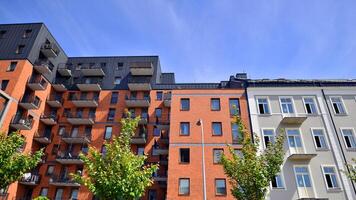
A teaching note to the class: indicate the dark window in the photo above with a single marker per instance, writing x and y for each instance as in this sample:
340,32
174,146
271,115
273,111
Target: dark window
220,186
159,96
3,84
20,49
234,106
217,129
2,34
74,194
114,97
156,131
184,155
102,65
50,170
66,112
215,104
12,66
55,149
120,65
111,114
108,132
158,112
184,186
103,150
217,154
184,104
44,191
59,194
184,128
152,195
237,137
27,33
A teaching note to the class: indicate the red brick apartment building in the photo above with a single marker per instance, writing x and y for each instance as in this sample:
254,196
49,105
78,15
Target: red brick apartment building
65,104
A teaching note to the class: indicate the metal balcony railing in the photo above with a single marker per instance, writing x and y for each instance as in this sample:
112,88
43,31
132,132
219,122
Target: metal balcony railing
44,63
139,80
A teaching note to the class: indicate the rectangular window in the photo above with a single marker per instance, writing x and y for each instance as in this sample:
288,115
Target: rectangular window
44,192
103,150
220,187
234,106
12,66
2,34
117,80
238,153
114,98
349,138
158,112
338,105
217,154
20,49
184,186
3,84
156,131
159,96
319,139
286,105
330,178
215,104
27,33
277,182
74,194
263,107
50,170
294,139
302,176
217,128
59,194
108,132
55,149
140,151
184,155
184,128
310,106
184,104
152,195
119,66
237,137
111,114
268,136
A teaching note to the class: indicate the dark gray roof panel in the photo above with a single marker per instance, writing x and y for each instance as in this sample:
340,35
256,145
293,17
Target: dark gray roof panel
167,78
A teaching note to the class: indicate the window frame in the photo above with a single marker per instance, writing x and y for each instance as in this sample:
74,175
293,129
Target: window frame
159,97
222,152
268,104
343,136
3,86
284,187
342,104
105,131
315,104
48,166
212,100
44,188
116,100
215,184
292,103
180,156
327,148
181,105
180,128
237,108
9,68
309,174
116,78
212,129
183,194
160,113
336,176
301,138
263,136
111,118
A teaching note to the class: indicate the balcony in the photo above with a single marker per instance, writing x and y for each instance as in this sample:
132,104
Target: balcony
22,122
143,119
160,178
30,102
140,138
139,83
55,101
92,70
50,119
66,158
60,84
167,99
50,49
163,160
37,83
162,124
63,181
30,179
64,69
43,66
44,138
293,120
77,139
141,68
136,102
89,84
80,119
164,139
84,101
161,151
301,156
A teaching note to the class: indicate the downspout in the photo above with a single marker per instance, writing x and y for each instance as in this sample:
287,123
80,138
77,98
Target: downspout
248,110
200,122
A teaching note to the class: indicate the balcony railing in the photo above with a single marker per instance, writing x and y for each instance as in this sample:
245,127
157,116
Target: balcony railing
64,180
89,84
30,102
137,102
92,70
43,66
139,83
68,158
85,101
83,138
141,68
144,118
167,99
55,101
21,122
60,84
37,83
50,119
161,124
140,138
80,119
64,69
43,138
30,179
50,49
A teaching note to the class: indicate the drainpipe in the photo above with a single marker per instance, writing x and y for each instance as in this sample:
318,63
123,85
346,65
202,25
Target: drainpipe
200,123
249,113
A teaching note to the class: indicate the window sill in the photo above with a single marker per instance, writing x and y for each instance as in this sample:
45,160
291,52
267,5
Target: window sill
265,115
322,149
334,190
340,115
351,149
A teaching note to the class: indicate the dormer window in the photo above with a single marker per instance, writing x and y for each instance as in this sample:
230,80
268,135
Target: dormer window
27,33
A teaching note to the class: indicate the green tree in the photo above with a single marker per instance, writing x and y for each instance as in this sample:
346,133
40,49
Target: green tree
41,198
250,173
13,162
352,171
119,174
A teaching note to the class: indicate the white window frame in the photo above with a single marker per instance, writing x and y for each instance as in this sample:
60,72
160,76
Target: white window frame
268,104
293,105
315,103
337,178
301,138
283,182
310,177
342,102
326,139
343,137
263,136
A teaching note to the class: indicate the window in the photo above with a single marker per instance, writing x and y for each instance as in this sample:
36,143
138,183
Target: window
111,114
215,104
158,112
184,128
268,136
217,154
117,80
330,178
114,97
119,66
236,134
74,194
12,66
102,65
184,186
3,84
156,131
50,170
184,155
217,130
20,49
319,139
302,176
294,139
152,195
184,104
263,106
220,187
103,150
140,151
286,105
277,182
59,194
338,106
310,106
27,33
234,106
349,138
44,192
55,149
108,132
2,34
159,96
238,153
85,148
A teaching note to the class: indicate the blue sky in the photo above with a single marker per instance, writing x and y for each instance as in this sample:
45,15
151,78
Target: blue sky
206,40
